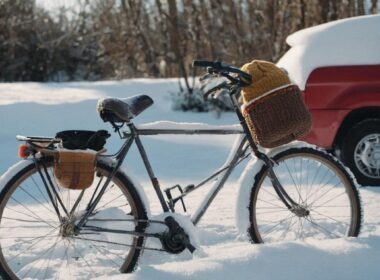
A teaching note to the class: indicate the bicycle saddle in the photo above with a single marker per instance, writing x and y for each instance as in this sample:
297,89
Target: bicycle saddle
122,109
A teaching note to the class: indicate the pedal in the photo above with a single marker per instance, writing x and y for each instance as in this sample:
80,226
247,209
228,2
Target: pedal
172,201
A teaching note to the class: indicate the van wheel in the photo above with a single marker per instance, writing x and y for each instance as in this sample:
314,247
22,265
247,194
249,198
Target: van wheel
361,152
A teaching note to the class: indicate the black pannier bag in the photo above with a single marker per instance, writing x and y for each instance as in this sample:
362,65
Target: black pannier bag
83,139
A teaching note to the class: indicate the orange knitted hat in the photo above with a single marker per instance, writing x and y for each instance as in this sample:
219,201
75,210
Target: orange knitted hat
266,76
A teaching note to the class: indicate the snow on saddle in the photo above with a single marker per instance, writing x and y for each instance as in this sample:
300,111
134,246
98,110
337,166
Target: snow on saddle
122,109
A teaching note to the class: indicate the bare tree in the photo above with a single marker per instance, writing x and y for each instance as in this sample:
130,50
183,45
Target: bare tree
116,39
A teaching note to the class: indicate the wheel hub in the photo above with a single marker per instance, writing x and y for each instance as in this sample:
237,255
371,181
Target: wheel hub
301,211
367,155
68,228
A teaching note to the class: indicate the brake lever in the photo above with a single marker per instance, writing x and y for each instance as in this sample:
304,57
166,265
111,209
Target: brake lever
218,87
205,77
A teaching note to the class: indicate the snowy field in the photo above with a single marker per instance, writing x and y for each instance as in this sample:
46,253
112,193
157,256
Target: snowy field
44,109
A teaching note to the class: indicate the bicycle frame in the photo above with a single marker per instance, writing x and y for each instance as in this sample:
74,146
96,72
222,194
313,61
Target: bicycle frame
111,214
221,175
236,156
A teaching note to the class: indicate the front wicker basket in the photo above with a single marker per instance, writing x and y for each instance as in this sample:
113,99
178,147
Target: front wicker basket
278,117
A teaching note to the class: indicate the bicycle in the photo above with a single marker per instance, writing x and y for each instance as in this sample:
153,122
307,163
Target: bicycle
48,231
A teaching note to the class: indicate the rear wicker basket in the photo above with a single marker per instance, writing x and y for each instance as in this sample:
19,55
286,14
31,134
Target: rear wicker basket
74,169
277,117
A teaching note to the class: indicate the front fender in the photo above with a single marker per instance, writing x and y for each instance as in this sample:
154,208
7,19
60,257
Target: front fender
246,182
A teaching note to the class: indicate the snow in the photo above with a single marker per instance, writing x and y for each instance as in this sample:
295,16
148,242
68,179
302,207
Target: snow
49,94
215,185
352,41
189,126
223,250
12,171
246,182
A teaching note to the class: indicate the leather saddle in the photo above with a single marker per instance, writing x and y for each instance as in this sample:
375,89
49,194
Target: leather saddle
122,109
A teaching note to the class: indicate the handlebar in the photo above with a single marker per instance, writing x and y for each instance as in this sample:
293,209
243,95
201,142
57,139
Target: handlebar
243,79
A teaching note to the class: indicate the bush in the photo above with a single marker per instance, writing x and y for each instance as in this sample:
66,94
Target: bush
195,102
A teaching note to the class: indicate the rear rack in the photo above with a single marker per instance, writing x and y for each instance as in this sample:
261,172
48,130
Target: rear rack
38,139
37,143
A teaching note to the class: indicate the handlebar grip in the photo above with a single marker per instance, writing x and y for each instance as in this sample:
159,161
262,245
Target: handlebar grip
245,78
203,63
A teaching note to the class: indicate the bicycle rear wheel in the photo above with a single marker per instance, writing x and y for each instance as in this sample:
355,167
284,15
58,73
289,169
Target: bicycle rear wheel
316,181
37,244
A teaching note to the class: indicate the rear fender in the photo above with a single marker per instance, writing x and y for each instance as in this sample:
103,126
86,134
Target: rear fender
16,168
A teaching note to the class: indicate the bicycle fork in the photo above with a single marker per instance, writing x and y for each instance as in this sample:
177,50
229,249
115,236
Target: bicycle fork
293,206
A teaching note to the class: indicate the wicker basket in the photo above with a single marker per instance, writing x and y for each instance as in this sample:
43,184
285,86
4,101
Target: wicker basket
74,169
278,117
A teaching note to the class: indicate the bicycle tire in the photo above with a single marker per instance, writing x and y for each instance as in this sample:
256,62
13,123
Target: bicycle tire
265,207
26,199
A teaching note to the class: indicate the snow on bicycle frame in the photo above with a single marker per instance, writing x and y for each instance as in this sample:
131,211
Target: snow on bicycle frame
114,213
120,112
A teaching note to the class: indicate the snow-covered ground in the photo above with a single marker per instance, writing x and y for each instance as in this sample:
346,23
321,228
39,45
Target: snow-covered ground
43,109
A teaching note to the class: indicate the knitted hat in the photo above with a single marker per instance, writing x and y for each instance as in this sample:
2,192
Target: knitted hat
266,77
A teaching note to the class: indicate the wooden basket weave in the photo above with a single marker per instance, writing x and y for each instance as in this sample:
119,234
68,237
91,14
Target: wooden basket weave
278,117
74,169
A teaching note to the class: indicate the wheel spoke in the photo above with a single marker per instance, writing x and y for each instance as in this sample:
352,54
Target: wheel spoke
38,240
275,211
290,224
318,188
39,257
37,244
39,189
295,185
322,187
35,199
271,194
277,224
333,198
27,221
110,201
319,197
34,215
81,256
333,219
267,202
323,229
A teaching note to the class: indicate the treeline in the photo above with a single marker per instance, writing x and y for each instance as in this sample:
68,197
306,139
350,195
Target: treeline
116,39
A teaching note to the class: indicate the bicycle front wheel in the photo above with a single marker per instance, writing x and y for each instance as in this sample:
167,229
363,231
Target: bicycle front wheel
320,184
37,243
